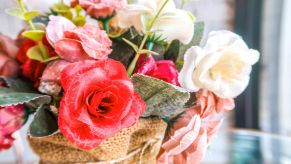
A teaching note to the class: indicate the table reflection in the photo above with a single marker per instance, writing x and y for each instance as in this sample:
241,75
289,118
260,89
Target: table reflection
249,147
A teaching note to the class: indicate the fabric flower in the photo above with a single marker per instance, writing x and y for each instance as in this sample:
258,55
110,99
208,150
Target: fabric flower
32,69
52,73
163,69
189,140
141,14
11,119
99,100
222,66
210,105
77,43
8,51
50,82
100,8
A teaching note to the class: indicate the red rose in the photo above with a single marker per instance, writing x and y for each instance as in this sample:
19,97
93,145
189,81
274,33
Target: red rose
163,69
11,119
99,100
32,69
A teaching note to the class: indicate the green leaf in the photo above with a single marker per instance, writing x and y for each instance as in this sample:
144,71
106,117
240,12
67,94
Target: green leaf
79,20
121,50
35,54
16,84
63,10
44,123
35,35
177,50
162,99
10,97
30,15
17,12
173,52
198,33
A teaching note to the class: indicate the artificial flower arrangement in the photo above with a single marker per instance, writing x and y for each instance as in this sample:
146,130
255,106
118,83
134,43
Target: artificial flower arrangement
133,85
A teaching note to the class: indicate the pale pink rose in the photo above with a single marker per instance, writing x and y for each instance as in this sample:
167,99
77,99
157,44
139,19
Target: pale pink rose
77,43
11,119
189,140
100,8
8,51
56,28
210,104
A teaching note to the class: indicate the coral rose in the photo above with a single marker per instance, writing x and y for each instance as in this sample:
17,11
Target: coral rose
77,43
100,8
210,105
99,100
11,119
189,140
8,50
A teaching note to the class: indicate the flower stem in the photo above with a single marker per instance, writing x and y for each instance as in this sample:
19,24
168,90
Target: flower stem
21,5
132,65
150,45
106,25
42,48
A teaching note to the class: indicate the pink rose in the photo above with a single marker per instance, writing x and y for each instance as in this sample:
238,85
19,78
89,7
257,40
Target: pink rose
163,69
211,105
8,52
100,8
77,43
11,119
192,133
189,140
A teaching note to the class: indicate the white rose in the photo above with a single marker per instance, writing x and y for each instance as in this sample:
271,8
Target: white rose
223,66
172,23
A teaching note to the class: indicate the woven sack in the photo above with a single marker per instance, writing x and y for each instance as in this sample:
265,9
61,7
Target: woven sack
139,144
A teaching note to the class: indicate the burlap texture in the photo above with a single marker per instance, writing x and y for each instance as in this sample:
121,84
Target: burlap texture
138,144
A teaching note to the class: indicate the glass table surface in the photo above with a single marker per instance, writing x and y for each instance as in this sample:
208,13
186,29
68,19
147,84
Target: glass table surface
249,147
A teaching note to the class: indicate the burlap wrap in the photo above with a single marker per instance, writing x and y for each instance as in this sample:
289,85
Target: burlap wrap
138,144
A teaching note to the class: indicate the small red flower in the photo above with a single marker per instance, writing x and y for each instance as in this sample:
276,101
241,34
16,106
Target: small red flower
163,69
32,69
99,100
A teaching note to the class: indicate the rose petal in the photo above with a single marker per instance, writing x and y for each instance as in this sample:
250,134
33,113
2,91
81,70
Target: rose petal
56,27
70,50
183,137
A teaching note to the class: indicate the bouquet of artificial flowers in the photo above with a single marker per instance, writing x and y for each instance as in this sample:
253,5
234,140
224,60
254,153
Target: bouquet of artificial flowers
131,85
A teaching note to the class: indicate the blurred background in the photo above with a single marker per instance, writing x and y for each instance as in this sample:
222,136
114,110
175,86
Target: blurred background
266,104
